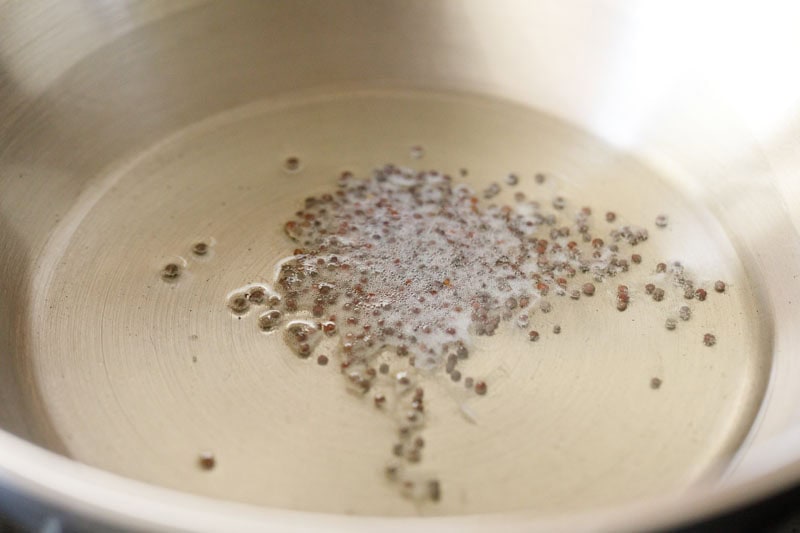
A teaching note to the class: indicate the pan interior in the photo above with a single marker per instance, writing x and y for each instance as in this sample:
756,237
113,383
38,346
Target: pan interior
138,376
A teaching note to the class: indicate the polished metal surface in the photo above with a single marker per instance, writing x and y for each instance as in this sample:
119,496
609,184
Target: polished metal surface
97,99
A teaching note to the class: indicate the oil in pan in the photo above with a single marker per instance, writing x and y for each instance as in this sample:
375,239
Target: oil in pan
332,302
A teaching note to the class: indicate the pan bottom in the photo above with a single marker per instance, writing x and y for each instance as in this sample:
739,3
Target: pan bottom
139,376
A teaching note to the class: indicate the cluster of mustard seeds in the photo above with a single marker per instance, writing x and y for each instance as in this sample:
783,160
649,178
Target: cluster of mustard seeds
401,270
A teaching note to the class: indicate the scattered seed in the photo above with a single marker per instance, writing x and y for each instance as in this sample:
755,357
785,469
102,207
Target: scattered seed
684,313
719,286
588,289
556,329
200,248
291,164
417,152
512,179
636,259
661,221
649,288
658,294
257,296
655,383
322,360
469,382
455,375
670,324
269,320
540,178
709,339
611,216
452,360
621,305
661,267
701,294
480,387
170,272
384,368
238,304
533,335
491,191
392,472
461,351
206,460
434,490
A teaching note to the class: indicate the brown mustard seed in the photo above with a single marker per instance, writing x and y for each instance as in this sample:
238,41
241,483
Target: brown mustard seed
383,368
540,178
661,267
670,324
709,339
719,286
469,382
556,329
588,289
455,375
622,305
658,295
481,388
206,460
684,313
239,305
636,259
533,335
200,248
434,490
322,360
611,216
391,472
655,383
170,272
257,296
291,163
269,320
379,400
649,288
661,221
701,294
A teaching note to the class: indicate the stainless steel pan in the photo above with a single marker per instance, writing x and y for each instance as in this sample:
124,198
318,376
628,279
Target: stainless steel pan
130,130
